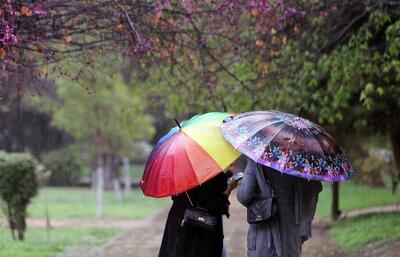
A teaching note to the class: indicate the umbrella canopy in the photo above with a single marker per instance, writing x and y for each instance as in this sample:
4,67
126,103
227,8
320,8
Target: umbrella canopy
289,144
188,156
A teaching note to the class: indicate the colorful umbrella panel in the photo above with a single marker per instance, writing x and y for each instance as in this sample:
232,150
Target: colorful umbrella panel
188,156
289,144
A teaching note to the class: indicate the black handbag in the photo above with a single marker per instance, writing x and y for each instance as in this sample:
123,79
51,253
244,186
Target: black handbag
265,206
198,217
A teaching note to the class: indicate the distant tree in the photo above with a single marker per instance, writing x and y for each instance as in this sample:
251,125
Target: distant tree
103,113
18,185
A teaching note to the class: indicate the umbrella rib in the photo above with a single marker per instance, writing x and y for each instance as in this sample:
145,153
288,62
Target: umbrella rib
165,157
256,131
190,160
288,149
258,158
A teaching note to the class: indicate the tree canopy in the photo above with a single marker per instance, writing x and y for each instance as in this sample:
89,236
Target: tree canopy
99,110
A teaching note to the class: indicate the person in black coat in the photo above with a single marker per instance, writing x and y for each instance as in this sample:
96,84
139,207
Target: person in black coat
189,241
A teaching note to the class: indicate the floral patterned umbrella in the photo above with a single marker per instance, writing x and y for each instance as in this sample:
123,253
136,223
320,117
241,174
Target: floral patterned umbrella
287,143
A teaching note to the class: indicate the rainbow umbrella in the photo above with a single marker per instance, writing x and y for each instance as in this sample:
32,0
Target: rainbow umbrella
187,156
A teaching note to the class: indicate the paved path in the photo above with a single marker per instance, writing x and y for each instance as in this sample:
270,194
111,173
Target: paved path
144,239
372,210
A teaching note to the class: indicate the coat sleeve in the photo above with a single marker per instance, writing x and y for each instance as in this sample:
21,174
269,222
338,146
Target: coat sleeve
248,187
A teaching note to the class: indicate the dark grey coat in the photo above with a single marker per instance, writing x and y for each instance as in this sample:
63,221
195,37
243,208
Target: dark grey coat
280,237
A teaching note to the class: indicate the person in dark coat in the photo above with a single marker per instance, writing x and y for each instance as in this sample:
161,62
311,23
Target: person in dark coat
187,241
297,198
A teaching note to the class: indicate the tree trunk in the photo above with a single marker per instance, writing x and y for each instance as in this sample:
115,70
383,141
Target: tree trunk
114,166
395,140
21,228
100,160
93,176
108,172
100,187
335,211
117,190
11,222
127,178
20,218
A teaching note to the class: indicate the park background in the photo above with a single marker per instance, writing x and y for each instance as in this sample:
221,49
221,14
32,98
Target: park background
88,87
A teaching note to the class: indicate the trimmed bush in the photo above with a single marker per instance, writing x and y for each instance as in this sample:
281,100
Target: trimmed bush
18,185
65,166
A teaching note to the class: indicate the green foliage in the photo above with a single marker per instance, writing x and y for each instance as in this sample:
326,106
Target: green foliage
352,234
372,171
356,80
18,185
64,165
99,109
40,243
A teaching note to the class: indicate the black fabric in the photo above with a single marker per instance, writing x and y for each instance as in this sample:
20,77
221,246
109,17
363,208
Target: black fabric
189,241
199,218
262,210
265,206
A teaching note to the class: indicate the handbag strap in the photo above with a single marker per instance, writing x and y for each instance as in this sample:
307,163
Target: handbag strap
192,204
190,200
264,184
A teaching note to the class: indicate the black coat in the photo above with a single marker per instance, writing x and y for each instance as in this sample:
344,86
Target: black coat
187,241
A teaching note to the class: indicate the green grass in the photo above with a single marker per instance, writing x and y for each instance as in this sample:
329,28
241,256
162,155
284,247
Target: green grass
64,203
39,243
353,197
352,234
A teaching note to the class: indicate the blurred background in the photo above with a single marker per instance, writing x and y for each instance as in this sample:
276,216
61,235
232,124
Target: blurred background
88,87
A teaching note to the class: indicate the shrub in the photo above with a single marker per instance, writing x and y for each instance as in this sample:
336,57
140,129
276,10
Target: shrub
65,166
18,184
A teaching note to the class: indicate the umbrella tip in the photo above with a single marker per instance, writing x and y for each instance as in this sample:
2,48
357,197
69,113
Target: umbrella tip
179,125
301,111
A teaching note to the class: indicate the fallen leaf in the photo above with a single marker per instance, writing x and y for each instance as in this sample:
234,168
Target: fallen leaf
39,72
67,39
3,53
119,26
26,11
259,43
296,29
275,53
275,41
39,47
284,40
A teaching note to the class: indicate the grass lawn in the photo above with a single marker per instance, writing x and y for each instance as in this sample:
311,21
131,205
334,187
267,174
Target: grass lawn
39,243
64,203
353,197
351,234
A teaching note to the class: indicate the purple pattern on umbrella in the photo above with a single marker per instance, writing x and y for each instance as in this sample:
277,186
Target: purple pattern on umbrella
289,144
